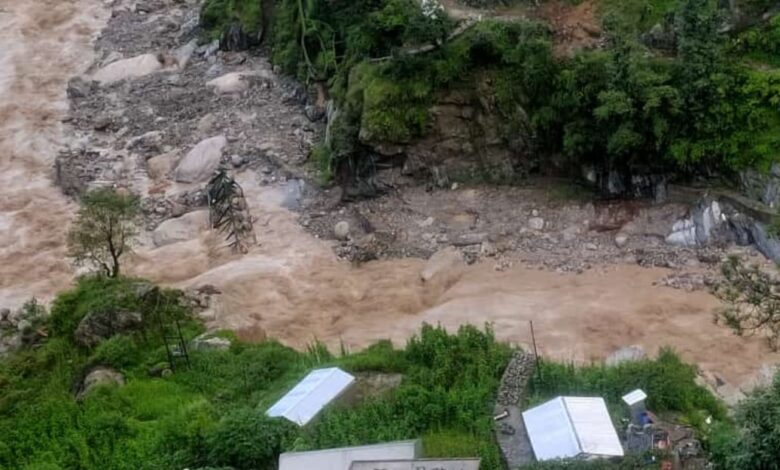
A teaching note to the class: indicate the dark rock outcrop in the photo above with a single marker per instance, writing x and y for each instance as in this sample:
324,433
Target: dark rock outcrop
465,139
100,325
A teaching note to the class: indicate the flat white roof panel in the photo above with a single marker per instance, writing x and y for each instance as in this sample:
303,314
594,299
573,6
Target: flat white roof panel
593,426
550,431
342,458
634,397
568,427
301,404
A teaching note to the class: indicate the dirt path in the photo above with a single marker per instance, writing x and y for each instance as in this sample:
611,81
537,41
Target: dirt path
42,44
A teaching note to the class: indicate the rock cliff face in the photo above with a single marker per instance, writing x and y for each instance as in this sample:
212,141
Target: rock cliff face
465,139
762,186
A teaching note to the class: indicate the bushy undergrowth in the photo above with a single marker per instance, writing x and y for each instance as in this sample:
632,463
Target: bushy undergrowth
755,443
668,382
212,414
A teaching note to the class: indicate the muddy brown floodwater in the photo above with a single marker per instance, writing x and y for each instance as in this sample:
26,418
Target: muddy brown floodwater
42,44
292,286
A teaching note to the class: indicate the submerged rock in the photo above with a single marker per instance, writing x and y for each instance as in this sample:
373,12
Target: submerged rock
442,261
186,227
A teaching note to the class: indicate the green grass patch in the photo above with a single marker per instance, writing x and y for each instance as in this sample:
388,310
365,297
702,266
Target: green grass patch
212,414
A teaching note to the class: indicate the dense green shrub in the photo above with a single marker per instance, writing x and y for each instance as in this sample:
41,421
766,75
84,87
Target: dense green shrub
217,15
246,438
756,442
91,293
118,352
668,382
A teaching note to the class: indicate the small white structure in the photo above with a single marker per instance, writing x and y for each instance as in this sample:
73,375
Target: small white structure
342,458
301,404
635,397
636,402
568,427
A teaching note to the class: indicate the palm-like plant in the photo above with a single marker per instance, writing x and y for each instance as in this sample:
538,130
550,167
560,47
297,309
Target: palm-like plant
228,211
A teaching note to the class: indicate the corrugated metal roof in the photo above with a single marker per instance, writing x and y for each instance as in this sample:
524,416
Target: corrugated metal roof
301,404
568,427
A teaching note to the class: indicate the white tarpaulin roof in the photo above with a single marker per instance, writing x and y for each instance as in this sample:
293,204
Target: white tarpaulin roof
307,399
571,426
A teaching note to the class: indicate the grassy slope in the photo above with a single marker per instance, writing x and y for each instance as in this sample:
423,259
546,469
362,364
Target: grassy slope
212,414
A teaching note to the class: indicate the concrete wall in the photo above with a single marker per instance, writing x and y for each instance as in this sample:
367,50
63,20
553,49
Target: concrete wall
342,458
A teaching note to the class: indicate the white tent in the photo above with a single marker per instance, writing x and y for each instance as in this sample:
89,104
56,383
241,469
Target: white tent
568,427
301,404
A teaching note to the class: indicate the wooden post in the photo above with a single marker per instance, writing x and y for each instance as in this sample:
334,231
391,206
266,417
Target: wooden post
536,351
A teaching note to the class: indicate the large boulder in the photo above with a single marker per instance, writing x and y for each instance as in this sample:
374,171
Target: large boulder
699,227
201,162
186,227
100,325
100,376
134,67
231,83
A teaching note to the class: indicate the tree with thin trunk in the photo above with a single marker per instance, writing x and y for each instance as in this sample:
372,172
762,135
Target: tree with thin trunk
751,298
104,230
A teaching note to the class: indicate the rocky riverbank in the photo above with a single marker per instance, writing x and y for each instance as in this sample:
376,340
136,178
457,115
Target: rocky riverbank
158,111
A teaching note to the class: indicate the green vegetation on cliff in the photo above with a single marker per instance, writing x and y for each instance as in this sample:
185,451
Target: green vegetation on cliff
695,109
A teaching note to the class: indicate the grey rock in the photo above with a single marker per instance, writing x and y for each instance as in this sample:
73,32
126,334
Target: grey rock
314,113
236,160
536,223
341,230
621,239
100,376
145,143
79,88
626,354
208,342
210,48
768,246
201,162
100,325
487,249
468,239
